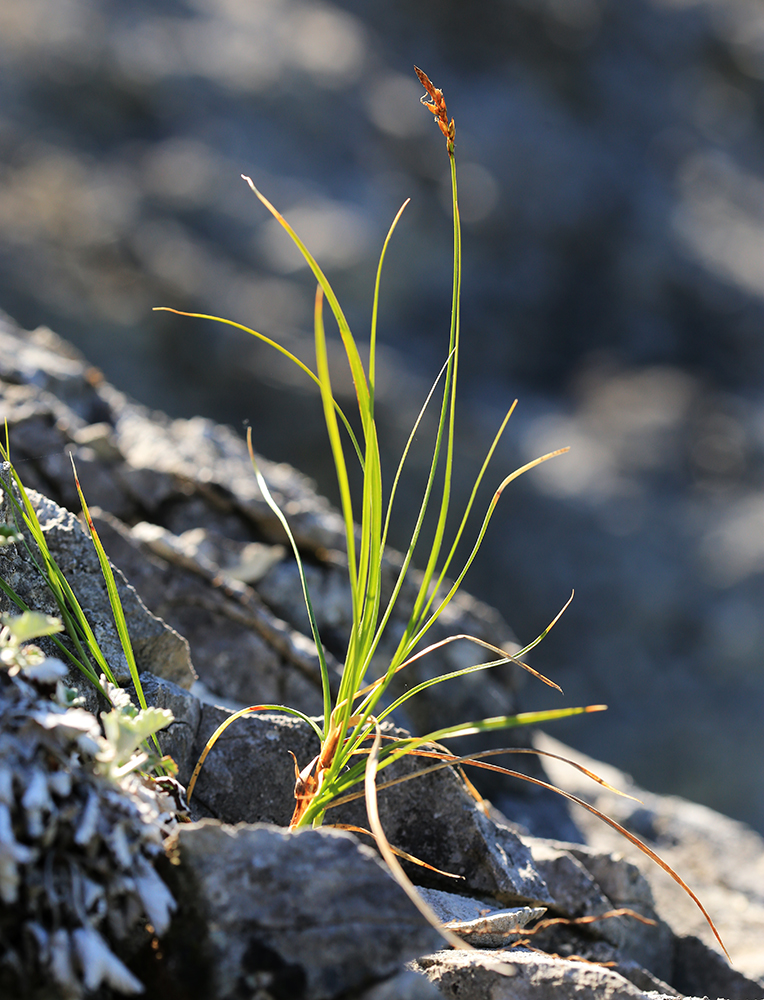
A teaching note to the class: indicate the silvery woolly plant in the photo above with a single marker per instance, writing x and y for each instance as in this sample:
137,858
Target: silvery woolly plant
80,826
353,751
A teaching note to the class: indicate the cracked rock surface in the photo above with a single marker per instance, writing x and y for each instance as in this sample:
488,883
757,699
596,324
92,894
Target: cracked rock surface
314,916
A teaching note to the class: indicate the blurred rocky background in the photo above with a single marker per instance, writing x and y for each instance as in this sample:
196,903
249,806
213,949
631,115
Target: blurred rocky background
611,157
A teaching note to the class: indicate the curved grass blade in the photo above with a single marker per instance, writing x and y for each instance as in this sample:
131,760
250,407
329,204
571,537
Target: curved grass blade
476,548
396,850
233,718
354,359
281,350
327,399
370,791
381,683
632,838
502,653
375,306
415,536
325,685
352,774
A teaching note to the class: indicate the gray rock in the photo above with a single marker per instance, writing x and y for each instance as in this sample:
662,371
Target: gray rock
249,775
480,924
407,985
572,887
643,979
311,915
240,649
624,885
200,451
435,819
522,975
722,860
699,969
587,884
179,739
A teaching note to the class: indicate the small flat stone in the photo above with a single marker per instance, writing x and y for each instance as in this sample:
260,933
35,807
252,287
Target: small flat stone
480,924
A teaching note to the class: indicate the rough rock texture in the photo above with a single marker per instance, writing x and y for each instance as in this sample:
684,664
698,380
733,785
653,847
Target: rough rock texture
522,975
610,156
182,518
723,861
309,916
585,884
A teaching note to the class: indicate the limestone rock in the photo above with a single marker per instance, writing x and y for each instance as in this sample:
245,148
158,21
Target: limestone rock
522,975
586,883
310,915
479,923
698,969
249,776
407,985
240,649
721,859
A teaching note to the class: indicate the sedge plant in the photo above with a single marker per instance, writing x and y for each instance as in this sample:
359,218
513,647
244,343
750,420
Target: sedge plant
353,747
83,650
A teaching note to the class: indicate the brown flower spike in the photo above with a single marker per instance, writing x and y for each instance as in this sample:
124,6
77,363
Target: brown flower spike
437,105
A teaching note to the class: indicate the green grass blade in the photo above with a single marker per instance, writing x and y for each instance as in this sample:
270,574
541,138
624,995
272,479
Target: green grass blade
327,399
281,350
476,547
117,610
504,657
471,501
233,718
354,359
75,620
450,398
447,420
506,722
327,697
114,598
402,573
375,306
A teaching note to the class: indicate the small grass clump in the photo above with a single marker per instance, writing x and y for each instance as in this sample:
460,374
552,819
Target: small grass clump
352,748
352,720
83,650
